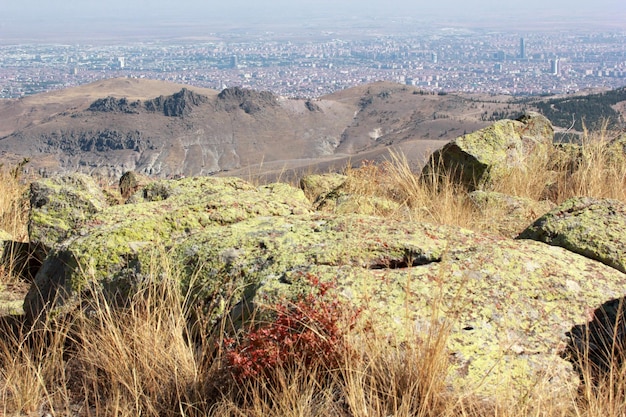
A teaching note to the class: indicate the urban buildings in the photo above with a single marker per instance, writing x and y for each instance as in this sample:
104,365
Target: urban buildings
444,60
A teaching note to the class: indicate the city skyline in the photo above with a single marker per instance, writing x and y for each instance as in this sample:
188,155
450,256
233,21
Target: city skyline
441,61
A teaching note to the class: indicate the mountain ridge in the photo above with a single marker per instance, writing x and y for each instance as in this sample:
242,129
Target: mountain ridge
164,129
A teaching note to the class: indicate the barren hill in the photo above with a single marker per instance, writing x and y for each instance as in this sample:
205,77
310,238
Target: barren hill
165,129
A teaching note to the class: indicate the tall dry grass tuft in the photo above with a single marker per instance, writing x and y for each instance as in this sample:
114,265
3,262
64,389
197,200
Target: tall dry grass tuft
600,169
32,374
437,199
13,202
551,174
108,359
139,359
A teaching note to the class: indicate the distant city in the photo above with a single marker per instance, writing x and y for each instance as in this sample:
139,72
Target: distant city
446,60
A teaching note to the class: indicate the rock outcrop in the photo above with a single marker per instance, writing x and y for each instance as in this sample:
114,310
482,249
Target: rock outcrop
114,105
131,182
318,185
591,227
477,158
59,205
249,101
510,303
180,104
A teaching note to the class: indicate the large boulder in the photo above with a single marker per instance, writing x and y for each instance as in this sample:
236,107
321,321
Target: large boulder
131,182
59,205
510,303
477,158
591,227
318,185
115,245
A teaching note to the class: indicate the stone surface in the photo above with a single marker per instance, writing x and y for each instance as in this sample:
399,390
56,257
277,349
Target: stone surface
318,185
591,227
131,182
509,302
477,158
109,245
60,204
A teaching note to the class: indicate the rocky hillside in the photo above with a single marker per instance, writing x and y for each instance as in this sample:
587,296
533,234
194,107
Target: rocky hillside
519,309
165,130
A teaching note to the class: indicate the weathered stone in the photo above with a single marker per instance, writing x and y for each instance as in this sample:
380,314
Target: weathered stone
591,227
513,213
109,245
477,158
237,248
60,204
318,185
341,202
131,182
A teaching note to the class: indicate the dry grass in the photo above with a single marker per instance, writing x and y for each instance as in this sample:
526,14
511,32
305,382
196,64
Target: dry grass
139,360
13,202
554,174
142,360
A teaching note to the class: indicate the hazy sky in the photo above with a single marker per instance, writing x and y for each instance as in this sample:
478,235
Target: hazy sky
64,15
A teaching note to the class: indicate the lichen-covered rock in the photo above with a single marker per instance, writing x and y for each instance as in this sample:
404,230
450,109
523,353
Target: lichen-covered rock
239,247
59,205
131,182
114,245
318,185
510,303
341,202
477,158
514,213
591,227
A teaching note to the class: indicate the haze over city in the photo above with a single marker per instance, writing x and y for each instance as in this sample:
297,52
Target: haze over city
80,19
310,48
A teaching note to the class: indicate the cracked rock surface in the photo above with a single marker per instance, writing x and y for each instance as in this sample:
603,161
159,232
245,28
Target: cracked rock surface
510,303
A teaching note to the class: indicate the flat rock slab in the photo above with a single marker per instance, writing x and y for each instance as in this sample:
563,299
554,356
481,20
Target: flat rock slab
595,228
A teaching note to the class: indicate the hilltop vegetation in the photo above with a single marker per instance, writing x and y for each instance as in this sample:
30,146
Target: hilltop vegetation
593,111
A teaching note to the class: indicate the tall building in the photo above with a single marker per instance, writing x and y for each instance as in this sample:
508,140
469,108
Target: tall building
554,66
522,48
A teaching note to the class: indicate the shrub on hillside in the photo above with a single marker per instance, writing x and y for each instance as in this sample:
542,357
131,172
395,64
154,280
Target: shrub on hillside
309,331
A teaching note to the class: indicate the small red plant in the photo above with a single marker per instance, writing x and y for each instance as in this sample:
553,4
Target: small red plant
309,331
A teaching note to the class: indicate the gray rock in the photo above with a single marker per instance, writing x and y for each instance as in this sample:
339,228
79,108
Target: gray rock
240,248
59,205
477,158
591,227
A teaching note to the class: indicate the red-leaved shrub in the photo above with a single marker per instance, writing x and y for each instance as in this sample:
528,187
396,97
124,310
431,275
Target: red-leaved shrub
308,331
